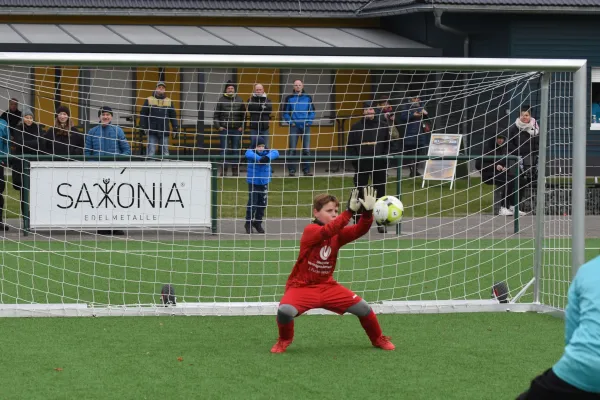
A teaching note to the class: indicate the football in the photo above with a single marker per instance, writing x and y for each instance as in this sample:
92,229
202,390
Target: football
388,210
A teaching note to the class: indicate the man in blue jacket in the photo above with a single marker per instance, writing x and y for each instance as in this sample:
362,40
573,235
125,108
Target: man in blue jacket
106,139
4,153
299,113
259,176
577,374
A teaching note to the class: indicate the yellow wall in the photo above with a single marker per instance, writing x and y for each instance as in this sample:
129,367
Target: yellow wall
44,95
352,87
69,91
146,79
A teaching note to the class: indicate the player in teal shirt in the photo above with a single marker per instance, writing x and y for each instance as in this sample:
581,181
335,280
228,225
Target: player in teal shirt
577,374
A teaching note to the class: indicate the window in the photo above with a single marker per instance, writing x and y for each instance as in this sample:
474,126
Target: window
112,87
317,83
214,86
189,97
17,82
595,99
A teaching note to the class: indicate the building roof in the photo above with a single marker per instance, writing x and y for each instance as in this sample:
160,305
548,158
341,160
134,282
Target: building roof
207,40
283,8
559,3
390,7
318,8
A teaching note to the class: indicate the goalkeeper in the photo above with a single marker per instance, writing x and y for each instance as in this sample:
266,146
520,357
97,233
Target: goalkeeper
311,284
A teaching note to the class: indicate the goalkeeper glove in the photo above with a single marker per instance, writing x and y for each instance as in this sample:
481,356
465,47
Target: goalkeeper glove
354,203
370,197
264,159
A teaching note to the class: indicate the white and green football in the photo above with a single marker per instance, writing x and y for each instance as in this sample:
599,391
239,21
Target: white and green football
388,210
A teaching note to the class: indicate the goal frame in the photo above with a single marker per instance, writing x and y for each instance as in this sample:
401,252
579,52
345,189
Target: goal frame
545,66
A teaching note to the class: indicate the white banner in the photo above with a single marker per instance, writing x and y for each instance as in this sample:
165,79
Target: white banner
442,145
131,195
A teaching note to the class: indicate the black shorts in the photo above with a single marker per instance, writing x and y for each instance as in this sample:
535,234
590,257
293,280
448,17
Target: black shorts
549,386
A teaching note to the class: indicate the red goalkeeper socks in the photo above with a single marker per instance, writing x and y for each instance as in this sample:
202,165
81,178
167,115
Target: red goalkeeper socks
286,331
371,325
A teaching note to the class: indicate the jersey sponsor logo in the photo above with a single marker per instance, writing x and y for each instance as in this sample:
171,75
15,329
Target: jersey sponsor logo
325,252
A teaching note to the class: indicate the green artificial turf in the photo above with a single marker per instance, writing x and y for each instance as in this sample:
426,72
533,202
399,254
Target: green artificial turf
121,271
132,272
442,356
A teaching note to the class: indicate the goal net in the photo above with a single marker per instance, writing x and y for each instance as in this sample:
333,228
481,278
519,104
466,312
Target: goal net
130,187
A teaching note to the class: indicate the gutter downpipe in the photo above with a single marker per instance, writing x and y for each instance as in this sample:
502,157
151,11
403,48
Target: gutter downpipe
437,13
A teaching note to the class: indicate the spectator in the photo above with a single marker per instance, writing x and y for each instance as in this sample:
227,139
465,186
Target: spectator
368,138
13,115
63,139
155,116
386,113
4,153
577,374
414,142
228,118
27,139
259,176
524,142
106,139
259,108
497,172
299,113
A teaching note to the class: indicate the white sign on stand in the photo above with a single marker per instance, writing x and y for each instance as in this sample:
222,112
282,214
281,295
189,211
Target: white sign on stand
442,145
128,195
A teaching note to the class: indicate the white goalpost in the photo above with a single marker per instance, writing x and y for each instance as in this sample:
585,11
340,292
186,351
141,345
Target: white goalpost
131,234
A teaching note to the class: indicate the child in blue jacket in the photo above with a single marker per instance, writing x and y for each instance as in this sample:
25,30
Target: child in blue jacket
259,176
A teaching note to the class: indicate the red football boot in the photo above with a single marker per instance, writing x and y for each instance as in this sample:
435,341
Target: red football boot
383,342
281,345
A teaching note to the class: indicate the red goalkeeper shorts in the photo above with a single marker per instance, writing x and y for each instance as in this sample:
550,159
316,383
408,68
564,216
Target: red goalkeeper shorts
330,296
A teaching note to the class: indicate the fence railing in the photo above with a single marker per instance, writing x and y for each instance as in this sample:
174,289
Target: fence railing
217,160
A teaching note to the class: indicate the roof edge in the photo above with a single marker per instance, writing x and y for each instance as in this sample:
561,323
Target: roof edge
161,12
6,49
472,8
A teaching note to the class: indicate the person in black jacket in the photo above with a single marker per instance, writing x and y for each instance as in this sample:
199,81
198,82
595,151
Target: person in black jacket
368,138
27,139
63,139
525,142
259,108
13,115
228,119
499,172
524,136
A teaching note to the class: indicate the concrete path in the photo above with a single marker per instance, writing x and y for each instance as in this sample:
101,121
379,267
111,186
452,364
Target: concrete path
432,228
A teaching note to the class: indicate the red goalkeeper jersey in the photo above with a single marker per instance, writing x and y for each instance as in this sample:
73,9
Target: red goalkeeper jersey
319,247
